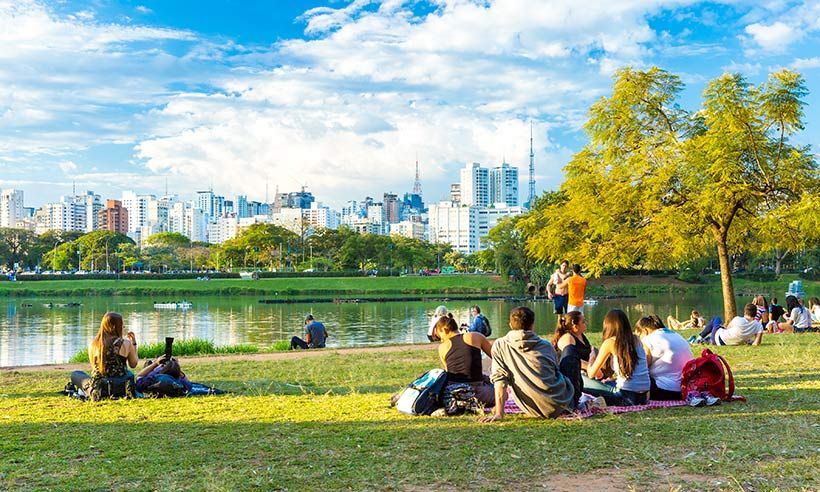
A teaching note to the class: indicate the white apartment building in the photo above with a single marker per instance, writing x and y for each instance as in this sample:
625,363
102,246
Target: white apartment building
307,220
409,228
71,213
137,206
188,220
11,208
225,228
92,206
504,185
475,185
489,218
454,224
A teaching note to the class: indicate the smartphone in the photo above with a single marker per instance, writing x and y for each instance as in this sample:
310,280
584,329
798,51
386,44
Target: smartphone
169,347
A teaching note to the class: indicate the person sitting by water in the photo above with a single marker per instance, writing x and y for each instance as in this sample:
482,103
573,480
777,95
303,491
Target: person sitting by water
480,323
814,310
775,312
109,354
798,318
695,321
762,313
742,330
315,335
163,377
569,330
460,355
541,385
440,312
666,354
625,354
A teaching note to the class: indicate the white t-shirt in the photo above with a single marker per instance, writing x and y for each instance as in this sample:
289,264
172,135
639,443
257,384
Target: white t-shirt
815,313
801,317
740,331
670,352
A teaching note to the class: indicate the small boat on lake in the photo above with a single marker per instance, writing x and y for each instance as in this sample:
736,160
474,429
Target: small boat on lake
182,305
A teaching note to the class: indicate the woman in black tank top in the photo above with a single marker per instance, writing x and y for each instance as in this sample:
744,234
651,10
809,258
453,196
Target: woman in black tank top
461,356
570,331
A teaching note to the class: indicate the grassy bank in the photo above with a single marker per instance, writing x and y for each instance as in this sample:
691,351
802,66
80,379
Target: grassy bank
277,287
645,284
194,346
323,422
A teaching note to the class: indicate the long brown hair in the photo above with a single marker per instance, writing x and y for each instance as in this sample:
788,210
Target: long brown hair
565,324
110,329
616,325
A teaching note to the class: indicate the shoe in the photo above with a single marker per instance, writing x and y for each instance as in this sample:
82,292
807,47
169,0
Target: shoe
711,400
598,402
695,401
441,412
693,339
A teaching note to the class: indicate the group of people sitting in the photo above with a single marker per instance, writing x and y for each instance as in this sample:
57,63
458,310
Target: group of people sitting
111,354
548,377
759,317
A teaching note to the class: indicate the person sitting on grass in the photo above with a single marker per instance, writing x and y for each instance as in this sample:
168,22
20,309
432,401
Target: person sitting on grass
625,354
666,354
695,321
570,330
762,314
315,335
109,354
775,312
541,385
460,355
742,330
798,318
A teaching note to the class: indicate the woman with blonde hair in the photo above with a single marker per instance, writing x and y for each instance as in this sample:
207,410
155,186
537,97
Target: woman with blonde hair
109,352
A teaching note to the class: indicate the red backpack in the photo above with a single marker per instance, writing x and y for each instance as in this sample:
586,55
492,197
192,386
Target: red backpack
706,374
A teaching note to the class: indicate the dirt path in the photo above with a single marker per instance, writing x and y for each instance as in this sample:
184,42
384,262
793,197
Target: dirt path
272,356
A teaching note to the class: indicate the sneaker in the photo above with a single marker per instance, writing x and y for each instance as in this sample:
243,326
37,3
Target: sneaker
693,339
711,400
695,400
598,402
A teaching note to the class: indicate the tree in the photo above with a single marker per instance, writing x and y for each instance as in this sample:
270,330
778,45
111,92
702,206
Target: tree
15,247
260,244
658,186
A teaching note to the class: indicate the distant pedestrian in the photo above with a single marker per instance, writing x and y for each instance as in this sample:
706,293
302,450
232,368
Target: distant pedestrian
480,322
315,335
560,299
576,286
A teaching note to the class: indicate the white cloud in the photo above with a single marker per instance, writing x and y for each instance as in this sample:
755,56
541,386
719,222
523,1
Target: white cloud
67,166
142,9
774,26
775,37
806,63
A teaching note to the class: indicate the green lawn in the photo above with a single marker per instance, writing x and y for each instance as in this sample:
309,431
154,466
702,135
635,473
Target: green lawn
350,286
324,423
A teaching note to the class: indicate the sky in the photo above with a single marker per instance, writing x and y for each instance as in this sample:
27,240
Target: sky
342,96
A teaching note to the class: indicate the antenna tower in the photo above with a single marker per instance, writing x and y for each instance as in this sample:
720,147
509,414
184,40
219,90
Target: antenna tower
531,196
417,183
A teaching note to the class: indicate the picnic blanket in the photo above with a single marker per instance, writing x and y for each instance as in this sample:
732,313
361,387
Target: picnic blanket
511,408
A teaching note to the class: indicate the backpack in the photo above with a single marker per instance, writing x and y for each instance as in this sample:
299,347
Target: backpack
459,398
113,387
707,374
486,330
423,395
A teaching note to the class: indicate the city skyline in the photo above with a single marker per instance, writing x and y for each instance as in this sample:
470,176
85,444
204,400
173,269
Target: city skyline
345,97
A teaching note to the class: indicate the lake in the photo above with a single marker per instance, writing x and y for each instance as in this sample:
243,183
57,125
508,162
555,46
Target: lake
42,335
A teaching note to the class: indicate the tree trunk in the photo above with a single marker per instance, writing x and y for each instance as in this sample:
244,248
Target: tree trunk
729,305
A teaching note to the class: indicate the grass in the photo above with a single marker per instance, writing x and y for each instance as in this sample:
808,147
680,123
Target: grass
193,346
324,423
275,287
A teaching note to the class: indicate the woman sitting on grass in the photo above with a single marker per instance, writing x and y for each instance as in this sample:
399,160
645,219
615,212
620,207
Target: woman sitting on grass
666,354
762,310
570,331
814,310
695,321
798,318
109,353
623,350
775,312
460,355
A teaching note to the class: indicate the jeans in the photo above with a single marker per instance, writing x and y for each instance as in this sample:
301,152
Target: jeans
297,342
612,395
708,332
570,367
79,379
659,394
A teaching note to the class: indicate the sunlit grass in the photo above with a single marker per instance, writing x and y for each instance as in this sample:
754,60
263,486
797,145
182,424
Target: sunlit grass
324,422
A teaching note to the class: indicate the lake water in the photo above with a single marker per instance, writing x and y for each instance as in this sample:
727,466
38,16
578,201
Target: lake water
41,335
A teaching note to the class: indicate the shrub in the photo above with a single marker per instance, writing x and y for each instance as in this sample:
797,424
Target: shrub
689,276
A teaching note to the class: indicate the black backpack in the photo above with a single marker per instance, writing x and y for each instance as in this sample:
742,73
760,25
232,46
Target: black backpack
112,388
485,323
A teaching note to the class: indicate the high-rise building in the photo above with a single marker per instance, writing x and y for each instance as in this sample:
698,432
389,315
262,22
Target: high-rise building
210,204
188,220
114,217
93,205
11,208
454,224
475,185
137,206
242,207
504,185
455,192
392,208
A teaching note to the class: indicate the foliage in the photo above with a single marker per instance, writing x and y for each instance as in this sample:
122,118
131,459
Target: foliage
267,245
93,251
658,186
182,348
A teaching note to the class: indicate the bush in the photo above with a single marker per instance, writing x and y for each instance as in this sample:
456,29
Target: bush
689,276
128,276
757,276
193,346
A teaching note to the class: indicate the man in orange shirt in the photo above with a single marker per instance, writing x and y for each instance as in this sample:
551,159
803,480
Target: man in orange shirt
577,286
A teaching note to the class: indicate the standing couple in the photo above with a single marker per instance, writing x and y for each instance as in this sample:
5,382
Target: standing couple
569,287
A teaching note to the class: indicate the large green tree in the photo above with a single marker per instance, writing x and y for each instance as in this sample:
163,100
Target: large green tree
657,186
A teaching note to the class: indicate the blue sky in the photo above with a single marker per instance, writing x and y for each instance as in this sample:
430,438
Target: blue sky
342,96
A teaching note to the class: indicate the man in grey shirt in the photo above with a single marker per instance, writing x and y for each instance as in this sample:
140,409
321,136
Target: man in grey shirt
541,385
315,335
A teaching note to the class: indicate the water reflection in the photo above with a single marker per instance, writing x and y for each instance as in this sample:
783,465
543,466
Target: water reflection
32,333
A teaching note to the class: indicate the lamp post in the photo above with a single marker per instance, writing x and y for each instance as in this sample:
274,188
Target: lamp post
79,260
107,266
